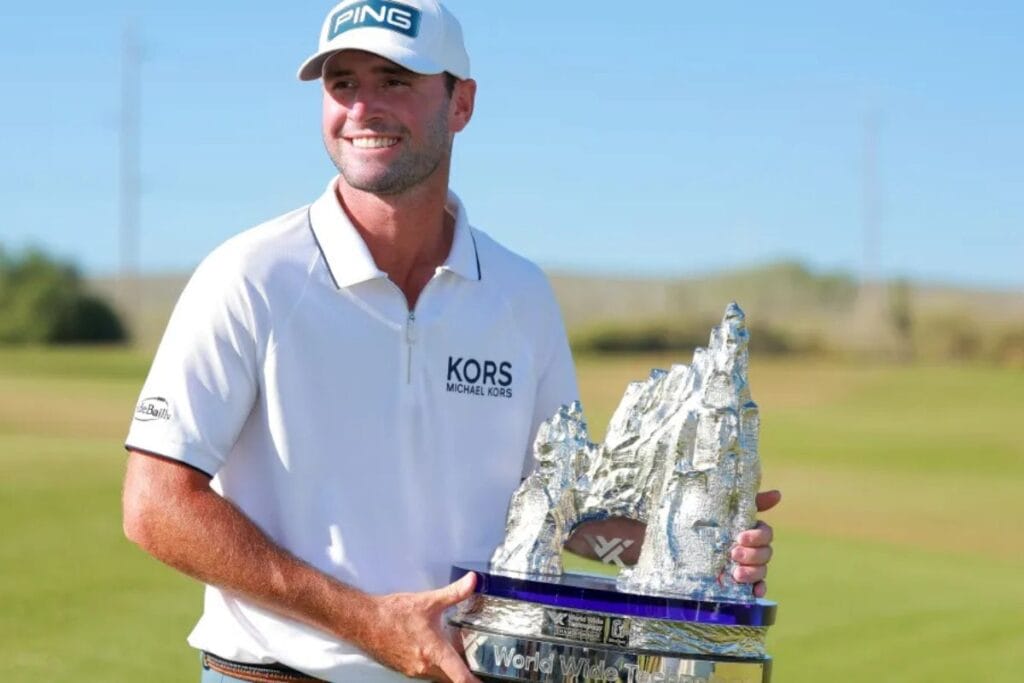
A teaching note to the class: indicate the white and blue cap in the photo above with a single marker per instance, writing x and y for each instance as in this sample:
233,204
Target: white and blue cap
420,35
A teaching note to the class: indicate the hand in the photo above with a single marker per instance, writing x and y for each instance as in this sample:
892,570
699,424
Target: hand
410,638
753,548
616,540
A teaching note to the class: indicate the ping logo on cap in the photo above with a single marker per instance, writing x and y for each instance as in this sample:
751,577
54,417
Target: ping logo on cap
378,14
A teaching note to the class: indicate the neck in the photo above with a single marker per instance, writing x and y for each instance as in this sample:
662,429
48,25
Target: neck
409,235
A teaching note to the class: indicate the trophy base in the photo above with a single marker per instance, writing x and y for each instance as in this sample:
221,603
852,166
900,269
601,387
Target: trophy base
496,657
577,629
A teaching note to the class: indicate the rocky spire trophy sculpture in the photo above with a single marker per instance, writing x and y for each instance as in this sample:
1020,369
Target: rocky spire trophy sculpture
681,456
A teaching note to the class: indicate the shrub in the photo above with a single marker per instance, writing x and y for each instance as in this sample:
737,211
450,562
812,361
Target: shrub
949,336
1008,348
657,336
43,301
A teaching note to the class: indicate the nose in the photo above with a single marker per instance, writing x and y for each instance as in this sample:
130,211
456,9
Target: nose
364,105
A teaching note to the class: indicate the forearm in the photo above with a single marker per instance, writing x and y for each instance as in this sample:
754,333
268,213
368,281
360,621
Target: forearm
199,533
173,514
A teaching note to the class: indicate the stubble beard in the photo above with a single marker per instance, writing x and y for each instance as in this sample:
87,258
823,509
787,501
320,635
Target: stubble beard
412,167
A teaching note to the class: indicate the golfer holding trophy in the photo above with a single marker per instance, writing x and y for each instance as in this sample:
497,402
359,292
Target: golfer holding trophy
346,394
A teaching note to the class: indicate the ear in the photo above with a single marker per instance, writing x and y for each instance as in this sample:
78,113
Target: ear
462,104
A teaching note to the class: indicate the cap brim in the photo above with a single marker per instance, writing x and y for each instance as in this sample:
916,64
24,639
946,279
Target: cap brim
313,68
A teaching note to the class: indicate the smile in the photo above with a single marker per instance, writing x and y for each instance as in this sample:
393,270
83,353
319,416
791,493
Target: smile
374,142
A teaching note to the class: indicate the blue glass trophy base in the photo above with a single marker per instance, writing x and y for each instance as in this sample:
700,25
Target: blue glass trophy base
519,627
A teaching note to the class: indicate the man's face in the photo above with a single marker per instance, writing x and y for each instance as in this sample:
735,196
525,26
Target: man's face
388,129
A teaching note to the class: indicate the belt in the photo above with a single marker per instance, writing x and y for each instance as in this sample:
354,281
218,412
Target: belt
258,673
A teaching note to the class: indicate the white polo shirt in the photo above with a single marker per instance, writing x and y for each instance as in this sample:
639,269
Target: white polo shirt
379,445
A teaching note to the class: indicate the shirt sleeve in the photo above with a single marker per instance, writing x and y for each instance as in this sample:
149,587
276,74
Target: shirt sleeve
203,381
556,385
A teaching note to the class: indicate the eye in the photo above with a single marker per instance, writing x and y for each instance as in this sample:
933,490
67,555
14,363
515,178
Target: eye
395,83
342,84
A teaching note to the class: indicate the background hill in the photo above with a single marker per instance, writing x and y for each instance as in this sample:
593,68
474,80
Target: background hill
779,293
791,309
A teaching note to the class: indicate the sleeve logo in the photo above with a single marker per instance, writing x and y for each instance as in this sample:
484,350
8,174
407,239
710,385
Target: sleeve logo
150,409
392,16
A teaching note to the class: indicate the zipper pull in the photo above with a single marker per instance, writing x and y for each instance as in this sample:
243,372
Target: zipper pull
410,329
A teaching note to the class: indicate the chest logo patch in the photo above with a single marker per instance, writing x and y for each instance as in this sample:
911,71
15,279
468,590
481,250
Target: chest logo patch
475,377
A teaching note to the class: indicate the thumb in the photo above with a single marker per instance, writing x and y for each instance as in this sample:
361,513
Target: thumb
457,591
766,500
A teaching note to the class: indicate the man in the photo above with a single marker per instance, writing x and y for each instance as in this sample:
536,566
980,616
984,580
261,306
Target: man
344,396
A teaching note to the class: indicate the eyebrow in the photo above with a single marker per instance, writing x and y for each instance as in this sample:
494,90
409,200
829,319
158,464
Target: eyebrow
377,70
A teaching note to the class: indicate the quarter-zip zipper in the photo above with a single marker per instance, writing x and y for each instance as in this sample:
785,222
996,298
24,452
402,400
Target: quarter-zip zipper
410,326
410,340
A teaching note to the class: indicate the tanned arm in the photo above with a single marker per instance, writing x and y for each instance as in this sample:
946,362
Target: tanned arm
171,512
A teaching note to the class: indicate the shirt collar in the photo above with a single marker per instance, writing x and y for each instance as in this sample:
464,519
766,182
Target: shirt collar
348,258
464,258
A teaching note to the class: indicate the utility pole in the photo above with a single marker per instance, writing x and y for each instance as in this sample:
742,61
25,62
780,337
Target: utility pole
872,202
129,172
880,326
870,298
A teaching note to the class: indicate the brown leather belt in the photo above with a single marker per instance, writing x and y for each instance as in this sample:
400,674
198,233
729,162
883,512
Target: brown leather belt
258,673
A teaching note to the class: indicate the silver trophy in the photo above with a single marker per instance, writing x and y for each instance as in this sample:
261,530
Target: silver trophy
680,456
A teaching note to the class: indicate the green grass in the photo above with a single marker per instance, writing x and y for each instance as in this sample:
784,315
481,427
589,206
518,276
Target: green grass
899,542
79,603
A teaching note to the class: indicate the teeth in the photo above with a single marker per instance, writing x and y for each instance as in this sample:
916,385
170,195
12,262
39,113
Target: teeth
373,143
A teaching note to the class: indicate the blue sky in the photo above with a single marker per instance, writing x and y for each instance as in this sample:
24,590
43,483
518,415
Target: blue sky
647,138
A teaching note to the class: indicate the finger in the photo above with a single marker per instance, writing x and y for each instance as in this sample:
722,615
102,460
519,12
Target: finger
760,589
742,574
453,635
758,537
751,557
456,592
454,668
766,500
